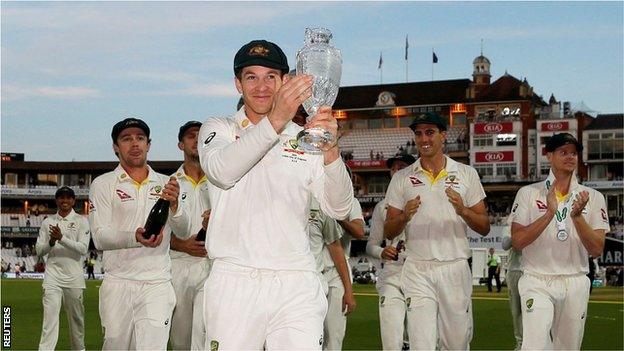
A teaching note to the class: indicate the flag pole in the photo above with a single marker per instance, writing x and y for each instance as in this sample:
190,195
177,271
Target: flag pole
432,64
406,59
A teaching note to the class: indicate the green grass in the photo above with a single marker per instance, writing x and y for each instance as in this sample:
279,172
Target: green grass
492,329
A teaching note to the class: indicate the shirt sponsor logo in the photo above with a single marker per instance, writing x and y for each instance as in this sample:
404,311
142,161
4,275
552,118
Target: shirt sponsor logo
209,138
415,181
541,206
529,305
123,196
603,213
515,207
72,225
452,181
214,345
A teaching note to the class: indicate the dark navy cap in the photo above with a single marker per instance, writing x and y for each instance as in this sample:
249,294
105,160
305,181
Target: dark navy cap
408,159
429,118
188,125
64,190
129,123
260,53
558,140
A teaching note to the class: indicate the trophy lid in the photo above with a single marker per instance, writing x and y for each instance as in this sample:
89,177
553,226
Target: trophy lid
318,35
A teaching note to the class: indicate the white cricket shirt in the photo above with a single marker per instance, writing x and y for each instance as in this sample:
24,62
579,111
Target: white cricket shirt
435,232
64,263
118,206
323,231
547,254
345,237
195,195
376,238
260,188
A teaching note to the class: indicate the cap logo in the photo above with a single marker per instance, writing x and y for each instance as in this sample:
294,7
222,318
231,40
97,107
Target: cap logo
258,50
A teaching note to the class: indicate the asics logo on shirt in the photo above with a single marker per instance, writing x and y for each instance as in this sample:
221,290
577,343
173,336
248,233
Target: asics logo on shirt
123,195
540,205
603,213
415,181
209,138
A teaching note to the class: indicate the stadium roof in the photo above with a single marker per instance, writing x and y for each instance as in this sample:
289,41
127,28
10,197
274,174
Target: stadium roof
506,88
405,94
607,121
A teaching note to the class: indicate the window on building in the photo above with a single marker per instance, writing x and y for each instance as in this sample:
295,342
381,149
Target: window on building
508,170
10,179
459,119
374,123
378,184
484,170
360,124
483,140
48,179
405,121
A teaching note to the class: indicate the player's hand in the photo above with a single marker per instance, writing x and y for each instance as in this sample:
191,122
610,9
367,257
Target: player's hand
579,203
205,219
171,193
456,200
192,247
288,98
324,119
551,199
348,303
153,241
55,233
411,207
390,253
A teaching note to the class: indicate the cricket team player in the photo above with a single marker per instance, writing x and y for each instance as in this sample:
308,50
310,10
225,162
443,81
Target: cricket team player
335,325
325,233
557,223
514,272
263,289
392,308
189,261
64,237
435,200
136,296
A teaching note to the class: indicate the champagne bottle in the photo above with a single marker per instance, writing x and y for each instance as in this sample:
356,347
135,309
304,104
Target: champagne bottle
156,218
400,247
201,235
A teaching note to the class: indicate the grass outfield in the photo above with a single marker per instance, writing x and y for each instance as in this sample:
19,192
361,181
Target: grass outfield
492,330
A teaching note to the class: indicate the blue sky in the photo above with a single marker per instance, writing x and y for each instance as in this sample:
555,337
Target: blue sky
70,70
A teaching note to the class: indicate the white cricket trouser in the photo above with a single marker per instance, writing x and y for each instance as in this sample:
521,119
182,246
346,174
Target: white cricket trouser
335,324
515,305
135,314
554,309
71,299
392,312
187,323
439,308
247,309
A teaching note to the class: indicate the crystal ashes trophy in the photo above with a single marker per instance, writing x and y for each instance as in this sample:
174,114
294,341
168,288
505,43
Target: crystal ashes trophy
324,62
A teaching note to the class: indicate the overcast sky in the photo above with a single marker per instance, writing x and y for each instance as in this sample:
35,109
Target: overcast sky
71,70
